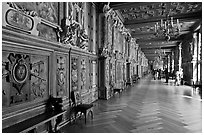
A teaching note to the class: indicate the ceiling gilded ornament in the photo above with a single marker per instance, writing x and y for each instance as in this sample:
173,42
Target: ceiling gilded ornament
159,10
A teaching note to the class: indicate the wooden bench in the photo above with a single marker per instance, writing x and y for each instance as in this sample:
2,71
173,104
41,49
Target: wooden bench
31,124
128,84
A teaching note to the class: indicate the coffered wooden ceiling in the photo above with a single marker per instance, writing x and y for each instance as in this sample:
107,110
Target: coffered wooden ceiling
141,17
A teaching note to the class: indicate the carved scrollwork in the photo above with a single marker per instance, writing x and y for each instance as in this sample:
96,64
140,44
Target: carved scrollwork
107,10
103,52
82,39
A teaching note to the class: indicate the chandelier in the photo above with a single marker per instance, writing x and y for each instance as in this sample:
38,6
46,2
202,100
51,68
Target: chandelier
167,28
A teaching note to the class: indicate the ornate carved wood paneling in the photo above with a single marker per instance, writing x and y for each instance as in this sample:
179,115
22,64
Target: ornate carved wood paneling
83,75
74,73
25,77
85,80
61,75
39,77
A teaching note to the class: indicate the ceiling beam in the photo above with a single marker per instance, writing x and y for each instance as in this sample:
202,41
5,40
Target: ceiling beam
148,34
153,51
157,46
146,23
124,5
158,40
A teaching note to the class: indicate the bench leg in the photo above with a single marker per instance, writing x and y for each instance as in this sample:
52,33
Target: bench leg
85,116
91,114
58,120
86,113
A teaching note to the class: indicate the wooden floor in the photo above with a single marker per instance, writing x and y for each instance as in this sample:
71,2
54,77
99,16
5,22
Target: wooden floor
150,106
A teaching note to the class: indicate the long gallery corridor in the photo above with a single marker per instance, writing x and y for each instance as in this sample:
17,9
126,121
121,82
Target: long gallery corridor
136,67
150,106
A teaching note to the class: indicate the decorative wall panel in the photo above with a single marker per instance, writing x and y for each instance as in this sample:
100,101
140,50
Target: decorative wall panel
85,80
5,79
61,76
25,77
74,73
19,77
83,75
39,77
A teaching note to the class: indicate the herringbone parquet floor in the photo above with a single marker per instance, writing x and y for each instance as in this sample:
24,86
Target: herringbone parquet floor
150,106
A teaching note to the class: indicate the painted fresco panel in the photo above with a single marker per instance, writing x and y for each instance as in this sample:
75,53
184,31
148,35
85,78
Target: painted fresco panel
45,10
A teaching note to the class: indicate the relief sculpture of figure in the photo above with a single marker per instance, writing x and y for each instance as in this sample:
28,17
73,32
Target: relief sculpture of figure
106,8
69,33
83,39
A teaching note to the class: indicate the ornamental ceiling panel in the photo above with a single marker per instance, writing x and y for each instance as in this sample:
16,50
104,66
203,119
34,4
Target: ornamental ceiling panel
148,11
